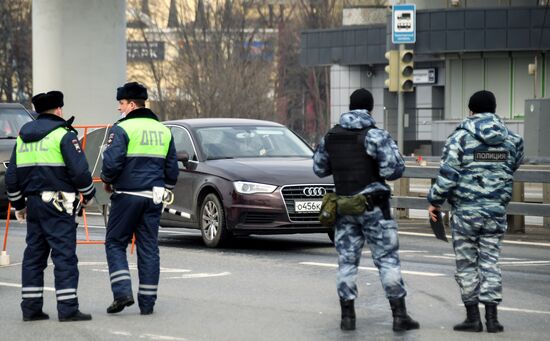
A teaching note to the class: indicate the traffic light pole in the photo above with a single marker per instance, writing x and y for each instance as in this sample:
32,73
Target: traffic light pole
400,113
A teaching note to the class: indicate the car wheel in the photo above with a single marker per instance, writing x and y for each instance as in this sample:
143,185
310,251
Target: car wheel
212,222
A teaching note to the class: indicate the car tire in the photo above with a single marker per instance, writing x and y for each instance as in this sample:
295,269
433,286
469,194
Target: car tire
212,222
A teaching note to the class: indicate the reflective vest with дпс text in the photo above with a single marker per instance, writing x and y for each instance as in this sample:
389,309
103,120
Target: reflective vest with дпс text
45,152
147,137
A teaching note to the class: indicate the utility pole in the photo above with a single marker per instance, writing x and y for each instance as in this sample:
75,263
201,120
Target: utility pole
400,112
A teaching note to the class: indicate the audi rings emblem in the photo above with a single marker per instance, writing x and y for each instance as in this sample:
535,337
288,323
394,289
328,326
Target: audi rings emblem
314,191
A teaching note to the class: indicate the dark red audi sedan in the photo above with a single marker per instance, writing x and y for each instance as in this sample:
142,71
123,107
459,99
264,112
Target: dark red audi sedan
242,177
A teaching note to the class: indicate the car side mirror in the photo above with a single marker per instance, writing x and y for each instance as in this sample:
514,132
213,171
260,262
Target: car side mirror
183,157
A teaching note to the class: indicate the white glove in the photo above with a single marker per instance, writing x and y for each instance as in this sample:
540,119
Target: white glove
158,194
21,215
88,203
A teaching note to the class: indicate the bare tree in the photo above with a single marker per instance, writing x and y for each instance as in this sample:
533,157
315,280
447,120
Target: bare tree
303,94
222,64
145,30
15,51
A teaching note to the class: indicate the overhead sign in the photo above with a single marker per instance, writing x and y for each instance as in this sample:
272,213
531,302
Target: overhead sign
403,26
425,76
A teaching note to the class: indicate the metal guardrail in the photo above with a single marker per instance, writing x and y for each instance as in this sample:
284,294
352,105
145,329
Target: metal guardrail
526,173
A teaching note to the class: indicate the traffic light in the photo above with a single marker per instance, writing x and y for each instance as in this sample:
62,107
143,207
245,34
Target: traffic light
406,67
392,69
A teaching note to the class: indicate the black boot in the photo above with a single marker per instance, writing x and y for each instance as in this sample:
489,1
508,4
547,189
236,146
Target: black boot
348,315
36,317
473,320
491,319
77,316
401,320
119,304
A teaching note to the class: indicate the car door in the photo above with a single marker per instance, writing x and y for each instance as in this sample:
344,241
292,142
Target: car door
182,210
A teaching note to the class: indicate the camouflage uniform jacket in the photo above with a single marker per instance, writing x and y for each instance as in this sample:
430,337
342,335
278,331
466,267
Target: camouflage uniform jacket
378,144
467,178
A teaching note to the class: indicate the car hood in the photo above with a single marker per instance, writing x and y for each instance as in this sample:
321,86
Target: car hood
273,171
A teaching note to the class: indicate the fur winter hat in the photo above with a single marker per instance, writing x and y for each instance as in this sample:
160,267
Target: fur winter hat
46,101
132,90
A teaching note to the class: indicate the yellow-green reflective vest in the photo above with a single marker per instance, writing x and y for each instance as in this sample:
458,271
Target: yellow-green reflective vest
148,137
45,152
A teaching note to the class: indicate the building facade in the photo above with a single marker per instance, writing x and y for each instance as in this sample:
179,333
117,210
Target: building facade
461,47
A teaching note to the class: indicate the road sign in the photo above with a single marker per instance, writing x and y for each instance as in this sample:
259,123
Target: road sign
425,76
403,24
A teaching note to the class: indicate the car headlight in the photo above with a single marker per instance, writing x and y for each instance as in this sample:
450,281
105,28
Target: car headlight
252,187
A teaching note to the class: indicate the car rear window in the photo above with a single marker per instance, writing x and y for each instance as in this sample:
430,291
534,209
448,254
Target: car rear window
11,121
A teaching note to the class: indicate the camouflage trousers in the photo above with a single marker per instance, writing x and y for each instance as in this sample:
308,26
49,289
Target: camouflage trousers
476,241
350,235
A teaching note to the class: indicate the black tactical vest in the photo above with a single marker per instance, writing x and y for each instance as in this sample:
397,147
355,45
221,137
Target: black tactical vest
352,168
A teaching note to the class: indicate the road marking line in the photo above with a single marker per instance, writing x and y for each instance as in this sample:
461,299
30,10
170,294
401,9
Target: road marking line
15,285
448,236
121,333
200,275
148,336
526,262
408,272
519,310
402,251
525,243
440,257
419,234
97,226
7,266
161,337
529,311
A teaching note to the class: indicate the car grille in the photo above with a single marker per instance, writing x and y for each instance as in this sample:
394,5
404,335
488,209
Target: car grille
296,192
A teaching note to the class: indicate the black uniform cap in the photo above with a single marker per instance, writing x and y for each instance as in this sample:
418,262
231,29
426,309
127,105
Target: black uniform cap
46,101
361,99
483,101
132,90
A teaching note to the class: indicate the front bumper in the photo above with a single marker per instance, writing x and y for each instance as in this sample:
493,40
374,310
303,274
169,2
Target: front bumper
274,213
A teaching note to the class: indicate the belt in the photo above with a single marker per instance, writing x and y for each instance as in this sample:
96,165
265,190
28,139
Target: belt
158,195
60,200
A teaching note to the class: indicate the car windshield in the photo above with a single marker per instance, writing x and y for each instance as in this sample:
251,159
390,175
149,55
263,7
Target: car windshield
246,141
11,121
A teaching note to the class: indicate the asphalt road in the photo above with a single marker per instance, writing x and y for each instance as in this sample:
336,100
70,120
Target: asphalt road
278,288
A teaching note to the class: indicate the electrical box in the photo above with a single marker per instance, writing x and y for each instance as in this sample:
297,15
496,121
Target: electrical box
537,127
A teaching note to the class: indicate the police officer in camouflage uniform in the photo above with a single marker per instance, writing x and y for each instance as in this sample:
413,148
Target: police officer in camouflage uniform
477,168
48,169
360,158
139,164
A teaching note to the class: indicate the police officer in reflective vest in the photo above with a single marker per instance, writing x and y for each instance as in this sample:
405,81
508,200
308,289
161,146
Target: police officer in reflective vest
476,177
360,158
139,165
49,169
